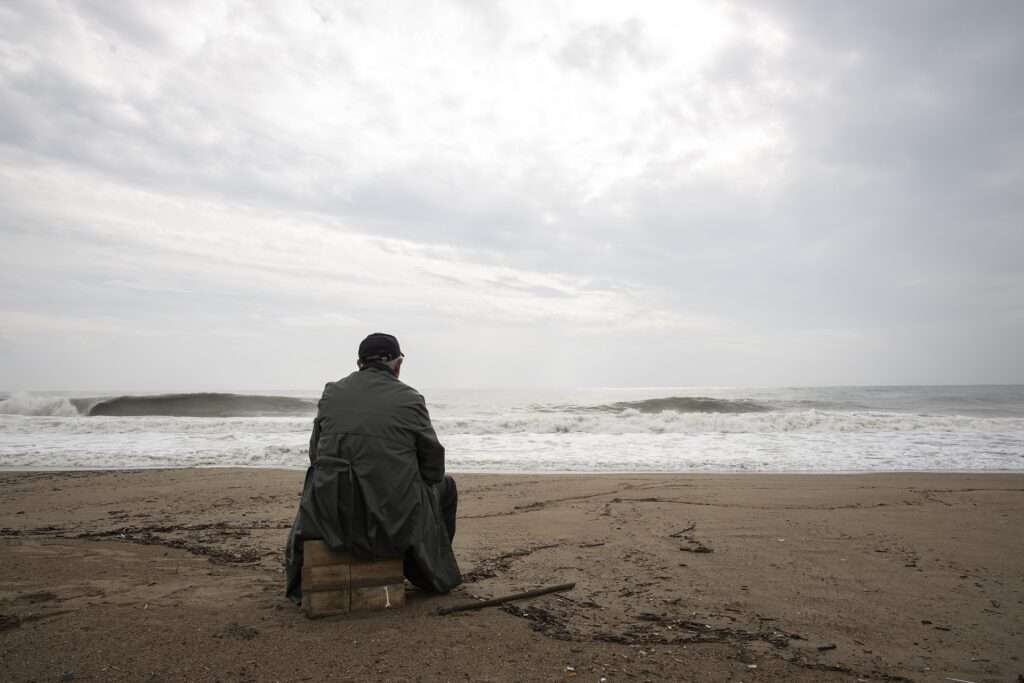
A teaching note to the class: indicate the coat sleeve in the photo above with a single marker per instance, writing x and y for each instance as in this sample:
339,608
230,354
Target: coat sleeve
429,451
314,438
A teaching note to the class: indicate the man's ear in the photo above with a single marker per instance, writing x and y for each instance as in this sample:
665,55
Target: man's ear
359,364
398,366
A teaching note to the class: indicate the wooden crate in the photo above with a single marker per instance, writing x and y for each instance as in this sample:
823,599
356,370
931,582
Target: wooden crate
336,583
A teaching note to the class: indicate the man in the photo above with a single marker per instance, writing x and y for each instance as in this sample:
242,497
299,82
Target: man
376,485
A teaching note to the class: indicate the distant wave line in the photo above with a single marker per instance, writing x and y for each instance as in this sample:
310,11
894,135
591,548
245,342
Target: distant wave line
162,405
245,405
202,405
689,404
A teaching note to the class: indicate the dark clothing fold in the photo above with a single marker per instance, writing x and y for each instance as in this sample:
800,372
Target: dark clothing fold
376,485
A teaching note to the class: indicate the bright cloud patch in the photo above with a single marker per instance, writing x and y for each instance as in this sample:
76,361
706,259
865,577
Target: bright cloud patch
593,192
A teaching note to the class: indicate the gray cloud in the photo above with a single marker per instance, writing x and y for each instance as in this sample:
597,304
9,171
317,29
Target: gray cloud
834,184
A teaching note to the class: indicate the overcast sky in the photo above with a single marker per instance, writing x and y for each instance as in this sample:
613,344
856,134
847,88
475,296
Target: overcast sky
230,195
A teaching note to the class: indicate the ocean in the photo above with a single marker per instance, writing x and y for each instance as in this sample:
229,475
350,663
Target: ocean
681,429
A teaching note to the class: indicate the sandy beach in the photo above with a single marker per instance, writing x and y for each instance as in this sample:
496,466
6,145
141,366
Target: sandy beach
176,575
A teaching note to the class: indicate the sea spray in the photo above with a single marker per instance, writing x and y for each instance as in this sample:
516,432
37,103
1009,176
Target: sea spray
34,404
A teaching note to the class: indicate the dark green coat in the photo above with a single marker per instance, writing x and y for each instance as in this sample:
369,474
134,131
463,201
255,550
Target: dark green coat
371,485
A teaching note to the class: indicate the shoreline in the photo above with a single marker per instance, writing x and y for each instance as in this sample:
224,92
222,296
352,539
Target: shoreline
170,574
537,473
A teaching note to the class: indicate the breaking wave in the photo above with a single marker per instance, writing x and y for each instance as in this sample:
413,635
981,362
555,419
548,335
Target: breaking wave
203,405
166,405
691,404
27,404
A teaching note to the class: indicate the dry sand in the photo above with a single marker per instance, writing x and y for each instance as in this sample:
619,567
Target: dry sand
176,575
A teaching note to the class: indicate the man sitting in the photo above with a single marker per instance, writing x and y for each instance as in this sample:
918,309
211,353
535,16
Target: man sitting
376,485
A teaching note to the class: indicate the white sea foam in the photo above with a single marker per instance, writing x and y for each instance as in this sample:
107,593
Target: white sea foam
30,404
631,421
547,440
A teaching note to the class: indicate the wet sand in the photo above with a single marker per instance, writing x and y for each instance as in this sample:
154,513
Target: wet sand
176,575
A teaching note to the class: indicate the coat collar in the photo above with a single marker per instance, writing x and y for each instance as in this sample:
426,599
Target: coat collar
376,365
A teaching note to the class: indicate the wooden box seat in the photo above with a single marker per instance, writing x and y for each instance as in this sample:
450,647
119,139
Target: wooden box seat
336,583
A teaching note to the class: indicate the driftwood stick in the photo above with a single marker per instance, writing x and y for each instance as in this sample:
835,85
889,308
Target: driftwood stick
506,598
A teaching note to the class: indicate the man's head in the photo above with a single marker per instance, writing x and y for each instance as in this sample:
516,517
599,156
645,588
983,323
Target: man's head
381,348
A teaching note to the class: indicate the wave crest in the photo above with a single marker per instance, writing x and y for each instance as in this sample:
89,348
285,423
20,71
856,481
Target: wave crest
203,405
28,404
691,404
